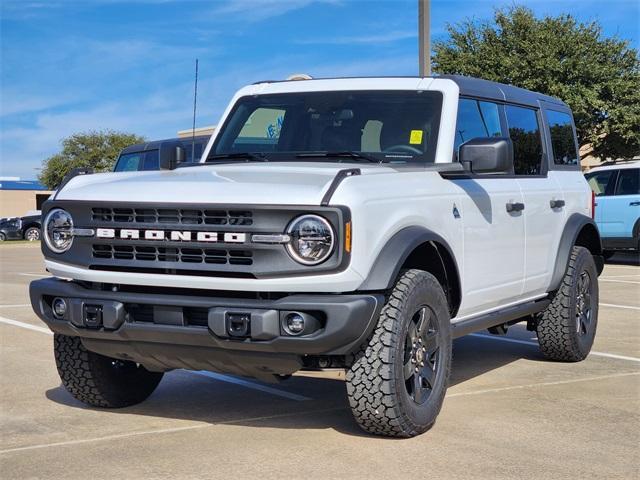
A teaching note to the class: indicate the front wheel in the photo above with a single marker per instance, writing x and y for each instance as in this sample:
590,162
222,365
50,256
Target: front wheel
567,327
101,381
397,383
32,234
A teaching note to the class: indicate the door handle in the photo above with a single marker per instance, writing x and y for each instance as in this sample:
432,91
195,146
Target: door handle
515,207
634,204
556,203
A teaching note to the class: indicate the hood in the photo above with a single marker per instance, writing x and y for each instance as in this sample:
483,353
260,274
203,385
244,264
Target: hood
299,183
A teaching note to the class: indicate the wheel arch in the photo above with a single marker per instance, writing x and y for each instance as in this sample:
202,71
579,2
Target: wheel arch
416,247
580,230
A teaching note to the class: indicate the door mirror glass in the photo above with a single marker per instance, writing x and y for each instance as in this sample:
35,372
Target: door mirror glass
488,155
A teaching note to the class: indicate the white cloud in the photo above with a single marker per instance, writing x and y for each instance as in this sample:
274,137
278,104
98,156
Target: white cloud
258,10
369,39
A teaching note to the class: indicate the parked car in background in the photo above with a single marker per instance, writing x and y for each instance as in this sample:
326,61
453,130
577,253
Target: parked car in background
20,228
145,156
617,190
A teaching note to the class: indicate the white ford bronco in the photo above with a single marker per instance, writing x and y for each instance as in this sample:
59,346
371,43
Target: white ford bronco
359,224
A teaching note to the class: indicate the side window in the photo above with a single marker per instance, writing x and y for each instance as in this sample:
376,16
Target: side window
628,182
602,182
151,160
129,162
261,128
476,119
525,135
562,140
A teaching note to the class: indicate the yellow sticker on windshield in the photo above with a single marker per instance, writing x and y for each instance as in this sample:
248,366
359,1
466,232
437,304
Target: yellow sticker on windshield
416,137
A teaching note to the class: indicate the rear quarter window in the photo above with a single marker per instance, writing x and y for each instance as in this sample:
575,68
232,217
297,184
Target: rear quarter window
562,139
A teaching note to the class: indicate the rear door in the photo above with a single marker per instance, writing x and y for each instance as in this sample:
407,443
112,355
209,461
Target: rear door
603,183
622,209
544,198
493,267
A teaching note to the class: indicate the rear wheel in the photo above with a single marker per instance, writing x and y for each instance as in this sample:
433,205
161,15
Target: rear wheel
3,237
397,383
567,328
98,380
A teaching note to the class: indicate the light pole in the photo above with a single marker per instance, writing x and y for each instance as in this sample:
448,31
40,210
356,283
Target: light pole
424,37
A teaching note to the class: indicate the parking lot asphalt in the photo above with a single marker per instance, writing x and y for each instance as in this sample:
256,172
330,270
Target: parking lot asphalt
508,414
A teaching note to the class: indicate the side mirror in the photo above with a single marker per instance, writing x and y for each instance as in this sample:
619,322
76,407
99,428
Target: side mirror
171,154
487,155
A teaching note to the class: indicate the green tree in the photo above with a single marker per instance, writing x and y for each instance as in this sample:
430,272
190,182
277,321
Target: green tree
598,77
97,150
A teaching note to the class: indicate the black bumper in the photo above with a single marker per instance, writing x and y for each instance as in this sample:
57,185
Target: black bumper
181,330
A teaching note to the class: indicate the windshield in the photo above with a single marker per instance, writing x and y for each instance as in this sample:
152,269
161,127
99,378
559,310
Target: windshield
389,126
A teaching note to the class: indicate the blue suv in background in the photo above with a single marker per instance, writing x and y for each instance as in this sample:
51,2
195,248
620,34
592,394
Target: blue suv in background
617,189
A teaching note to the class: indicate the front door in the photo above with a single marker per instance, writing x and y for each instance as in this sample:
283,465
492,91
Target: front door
494,244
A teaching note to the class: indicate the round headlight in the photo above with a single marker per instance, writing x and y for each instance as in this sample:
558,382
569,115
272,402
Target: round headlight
312,239
58,227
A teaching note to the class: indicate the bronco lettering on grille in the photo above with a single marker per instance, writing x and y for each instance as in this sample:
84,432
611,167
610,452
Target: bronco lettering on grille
173,235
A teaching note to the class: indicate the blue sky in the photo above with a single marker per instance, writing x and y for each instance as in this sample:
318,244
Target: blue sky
70,66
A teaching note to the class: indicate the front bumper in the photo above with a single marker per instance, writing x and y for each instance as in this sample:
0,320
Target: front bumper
187,330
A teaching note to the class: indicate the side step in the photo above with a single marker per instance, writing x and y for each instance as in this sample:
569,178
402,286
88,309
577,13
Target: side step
465,327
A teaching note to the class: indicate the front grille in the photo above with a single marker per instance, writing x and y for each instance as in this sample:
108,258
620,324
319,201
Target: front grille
174,216
173,254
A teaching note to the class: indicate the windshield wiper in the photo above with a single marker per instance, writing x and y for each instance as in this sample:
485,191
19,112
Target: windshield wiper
248,156
348,153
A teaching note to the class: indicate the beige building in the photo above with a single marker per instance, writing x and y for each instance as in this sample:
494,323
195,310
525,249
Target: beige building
198,131
21,197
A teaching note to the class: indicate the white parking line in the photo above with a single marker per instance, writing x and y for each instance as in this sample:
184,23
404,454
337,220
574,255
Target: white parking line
617,281
535,344
613,305
16,306
249,384
624,267
607,277
41,275
216,376
169,430
542,384
26,326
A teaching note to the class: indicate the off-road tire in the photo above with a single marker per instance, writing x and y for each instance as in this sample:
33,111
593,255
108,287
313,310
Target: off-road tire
557,325
101,381
32,238
375,383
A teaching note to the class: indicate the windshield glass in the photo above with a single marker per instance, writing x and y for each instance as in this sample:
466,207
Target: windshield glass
396,126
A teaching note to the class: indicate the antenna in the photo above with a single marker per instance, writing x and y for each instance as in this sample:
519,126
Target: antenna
193,129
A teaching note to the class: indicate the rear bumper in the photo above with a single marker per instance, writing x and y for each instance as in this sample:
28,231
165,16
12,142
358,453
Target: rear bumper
183,330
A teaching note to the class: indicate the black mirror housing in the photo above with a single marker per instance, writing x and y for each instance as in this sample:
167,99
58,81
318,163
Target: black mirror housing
488,155
171,154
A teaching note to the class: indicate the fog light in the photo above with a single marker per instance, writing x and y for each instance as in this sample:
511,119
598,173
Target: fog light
294,324
59,307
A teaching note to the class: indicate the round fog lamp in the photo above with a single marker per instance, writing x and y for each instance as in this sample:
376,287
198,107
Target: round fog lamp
59,307
294,324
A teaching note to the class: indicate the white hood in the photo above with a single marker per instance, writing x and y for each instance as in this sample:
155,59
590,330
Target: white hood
265,183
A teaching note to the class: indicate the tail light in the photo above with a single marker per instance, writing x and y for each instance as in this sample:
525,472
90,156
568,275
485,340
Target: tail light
593,204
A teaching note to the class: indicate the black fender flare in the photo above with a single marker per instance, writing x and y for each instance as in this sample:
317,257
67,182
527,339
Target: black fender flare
387,265
572,229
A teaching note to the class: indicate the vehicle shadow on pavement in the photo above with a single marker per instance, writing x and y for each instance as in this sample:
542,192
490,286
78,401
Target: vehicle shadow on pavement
622,258
187,396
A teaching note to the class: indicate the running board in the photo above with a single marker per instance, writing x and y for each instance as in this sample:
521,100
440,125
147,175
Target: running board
465,327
